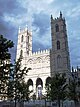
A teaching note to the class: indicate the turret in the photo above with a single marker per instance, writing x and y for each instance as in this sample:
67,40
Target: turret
60,61
24,45
60,14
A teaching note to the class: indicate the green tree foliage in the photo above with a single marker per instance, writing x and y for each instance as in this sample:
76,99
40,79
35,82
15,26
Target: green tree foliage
5,64
20,88
24,91
5,45
10,90
57,89
48,90
73,90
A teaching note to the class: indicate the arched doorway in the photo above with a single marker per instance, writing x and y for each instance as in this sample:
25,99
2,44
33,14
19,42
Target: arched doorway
47,86
30,84
39,87
48,80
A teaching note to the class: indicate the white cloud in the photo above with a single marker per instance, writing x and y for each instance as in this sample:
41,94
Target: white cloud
12,19
37,6
74,12
31,8
71,11
46,38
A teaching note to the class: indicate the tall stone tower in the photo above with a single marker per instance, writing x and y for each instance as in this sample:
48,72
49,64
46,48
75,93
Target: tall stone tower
24,45
60,61
44,63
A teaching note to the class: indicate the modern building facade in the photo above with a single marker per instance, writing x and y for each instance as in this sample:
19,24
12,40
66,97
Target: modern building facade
44,63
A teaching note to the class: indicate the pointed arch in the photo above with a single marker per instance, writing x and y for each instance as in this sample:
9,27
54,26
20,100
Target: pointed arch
22,38
39,87
38,60
39,82
57,28
21,53
30,82
30,61
47,58
48,80
59,61
28,39
58,45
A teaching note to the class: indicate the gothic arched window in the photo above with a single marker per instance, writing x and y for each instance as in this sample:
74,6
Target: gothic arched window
57,28
39,82
22,38
28,39
48,80
59,61
58,45
30,84
21,53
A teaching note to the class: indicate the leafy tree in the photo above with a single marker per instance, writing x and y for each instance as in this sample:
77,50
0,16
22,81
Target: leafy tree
10,90
5,45
73,90
24,91
48,90
19,86
58,88
5,64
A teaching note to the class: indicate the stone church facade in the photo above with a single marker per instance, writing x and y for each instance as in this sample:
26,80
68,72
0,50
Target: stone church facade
44,63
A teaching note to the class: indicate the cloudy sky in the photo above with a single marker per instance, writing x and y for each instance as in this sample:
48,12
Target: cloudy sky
36,15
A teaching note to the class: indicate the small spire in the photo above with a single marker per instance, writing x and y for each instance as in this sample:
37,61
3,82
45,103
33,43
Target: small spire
72,69
77,68
19,29
26,27
51,17
60,14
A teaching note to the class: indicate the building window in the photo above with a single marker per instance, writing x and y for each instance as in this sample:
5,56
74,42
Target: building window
22,38
28,52
59,61
57,28
21,53
58,45
28,39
